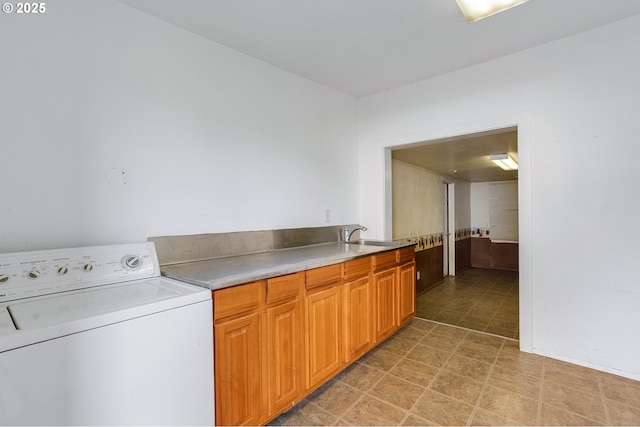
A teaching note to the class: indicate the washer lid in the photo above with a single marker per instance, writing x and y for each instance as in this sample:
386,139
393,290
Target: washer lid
65,307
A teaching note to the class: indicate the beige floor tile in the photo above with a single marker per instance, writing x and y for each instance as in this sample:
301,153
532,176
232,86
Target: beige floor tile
471,368
470,323
335,397
449,331
397,392
411,334
473,299
457,386
477,351
379,359
415,372
447,316
569,375
486,340
429,355
442,410
421,324
305,414
360,376
440,342
487,418
515,382
579,402
620,389
398,345
414,420
505,332
551,416
370,411
622,415
514,360
511,406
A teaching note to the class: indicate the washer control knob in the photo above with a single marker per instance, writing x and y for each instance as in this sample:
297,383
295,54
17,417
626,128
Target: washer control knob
132,262
63,270
4,278
87,267
33,274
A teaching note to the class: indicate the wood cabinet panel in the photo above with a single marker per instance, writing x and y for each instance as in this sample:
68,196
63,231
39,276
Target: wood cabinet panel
487,254
358,327
284,288
383,260
405,255
237,371
237,301
384,289
356,268
284,356
463,254
323,276
480,252
406,292
504,256
323,334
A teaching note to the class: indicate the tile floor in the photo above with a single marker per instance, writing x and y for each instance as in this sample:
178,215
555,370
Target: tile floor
480,299
434,374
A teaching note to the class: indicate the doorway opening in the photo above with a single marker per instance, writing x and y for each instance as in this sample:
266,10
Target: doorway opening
462,212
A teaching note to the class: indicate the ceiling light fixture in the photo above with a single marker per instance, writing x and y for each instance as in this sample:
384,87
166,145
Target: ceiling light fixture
477,9
504,161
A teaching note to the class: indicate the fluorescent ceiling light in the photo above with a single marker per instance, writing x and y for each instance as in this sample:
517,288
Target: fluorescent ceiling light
478,9
504,161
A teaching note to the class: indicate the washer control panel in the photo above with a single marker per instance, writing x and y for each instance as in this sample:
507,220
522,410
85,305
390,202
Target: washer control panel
28,274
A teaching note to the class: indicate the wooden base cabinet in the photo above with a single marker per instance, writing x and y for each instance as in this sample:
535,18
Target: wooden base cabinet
277,340
384,290
406,292
258,355
357,309
237,371
323,335
284,356
323,326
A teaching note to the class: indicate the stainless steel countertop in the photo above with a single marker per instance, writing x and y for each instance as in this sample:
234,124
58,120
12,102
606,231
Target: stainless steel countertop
224,272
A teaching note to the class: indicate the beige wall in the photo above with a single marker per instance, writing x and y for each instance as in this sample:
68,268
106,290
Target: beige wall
417,201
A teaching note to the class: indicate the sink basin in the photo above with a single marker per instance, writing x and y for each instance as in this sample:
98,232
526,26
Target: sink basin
387,243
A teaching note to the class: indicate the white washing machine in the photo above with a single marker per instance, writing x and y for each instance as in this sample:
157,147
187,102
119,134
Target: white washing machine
95,336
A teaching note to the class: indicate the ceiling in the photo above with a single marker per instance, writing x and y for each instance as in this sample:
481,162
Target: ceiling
362,47
465,158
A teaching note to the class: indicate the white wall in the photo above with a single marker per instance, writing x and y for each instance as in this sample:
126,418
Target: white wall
494,206
462,205
209,140
575,102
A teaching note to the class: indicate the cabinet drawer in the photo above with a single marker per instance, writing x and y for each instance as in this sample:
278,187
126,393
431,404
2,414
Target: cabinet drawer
284,287
356,268
383,260
323,276
237,301
405,255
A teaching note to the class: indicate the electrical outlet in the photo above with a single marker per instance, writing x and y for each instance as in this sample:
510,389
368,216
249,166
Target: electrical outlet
418,275
327,215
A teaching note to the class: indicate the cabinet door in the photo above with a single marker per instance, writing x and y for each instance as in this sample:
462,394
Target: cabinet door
358,328
406,292
284,356
385,317
323,334
237,371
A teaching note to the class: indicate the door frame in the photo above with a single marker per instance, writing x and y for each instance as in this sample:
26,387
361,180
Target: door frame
521,121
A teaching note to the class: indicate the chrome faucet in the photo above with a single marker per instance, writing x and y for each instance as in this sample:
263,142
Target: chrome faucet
348,233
